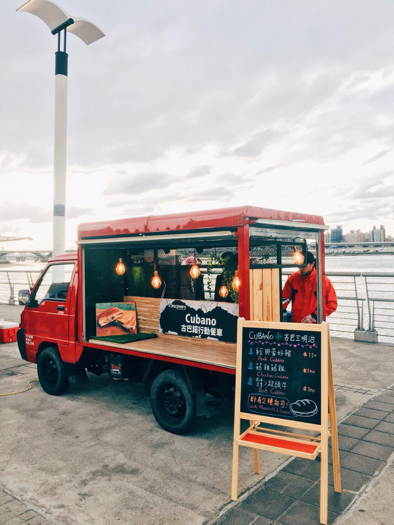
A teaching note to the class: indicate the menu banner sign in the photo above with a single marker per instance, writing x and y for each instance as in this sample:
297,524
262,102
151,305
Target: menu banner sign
281,374
204,319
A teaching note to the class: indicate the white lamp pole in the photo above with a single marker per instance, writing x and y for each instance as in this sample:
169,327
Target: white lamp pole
59,22
60,150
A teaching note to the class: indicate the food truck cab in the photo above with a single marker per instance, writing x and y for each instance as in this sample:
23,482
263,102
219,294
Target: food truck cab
158,297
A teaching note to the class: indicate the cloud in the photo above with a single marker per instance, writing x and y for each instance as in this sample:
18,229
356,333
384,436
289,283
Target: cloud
74,212
249,97
217,193
139,211
371,186
138,184
269,169
255,146
14,211
374,210
153,84
376,157
199,171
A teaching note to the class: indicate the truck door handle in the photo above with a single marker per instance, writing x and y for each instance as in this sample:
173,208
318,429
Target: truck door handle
60,307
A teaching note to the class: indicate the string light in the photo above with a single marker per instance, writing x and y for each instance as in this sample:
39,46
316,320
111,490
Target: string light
298,258
195,271
120,268
156,281
223,291
235,283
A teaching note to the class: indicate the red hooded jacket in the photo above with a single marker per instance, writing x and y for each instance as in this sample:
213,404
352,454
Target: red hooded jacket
301,290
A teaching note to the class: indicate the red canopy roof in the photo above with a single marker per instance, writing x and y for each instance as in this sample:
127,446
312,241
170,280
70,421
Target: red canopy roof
220,218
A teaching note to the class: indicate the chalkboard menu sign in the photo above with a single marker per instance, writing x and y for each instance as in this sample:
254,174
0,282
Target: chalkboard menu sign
281,374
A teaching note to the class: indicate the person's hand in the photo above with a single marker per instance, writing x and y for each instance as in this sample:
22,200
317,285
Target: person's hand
308,319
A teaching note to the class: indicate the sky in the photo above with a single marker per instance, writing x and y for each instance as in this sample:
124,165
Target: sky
185,105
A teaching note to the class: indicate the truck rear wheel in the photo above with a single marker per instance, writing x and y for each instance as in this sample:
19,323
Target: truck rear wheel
172,402
52,372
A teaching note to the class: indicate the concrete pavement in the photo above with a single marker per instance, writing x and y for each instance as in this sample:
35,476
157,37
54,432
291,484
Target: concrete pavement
96,454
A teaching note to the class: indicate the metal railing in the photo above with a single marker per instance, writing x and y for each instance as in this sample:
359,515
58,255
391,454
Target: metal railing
381,284
350,304
365,304
365,300
11,281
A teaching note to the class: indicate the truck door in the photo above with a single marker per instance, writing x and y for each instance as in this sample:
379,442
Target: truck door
47,314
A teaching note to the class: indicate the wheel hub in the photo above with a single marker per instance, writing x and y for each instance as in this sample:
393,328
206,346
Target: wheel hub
174,402
50,371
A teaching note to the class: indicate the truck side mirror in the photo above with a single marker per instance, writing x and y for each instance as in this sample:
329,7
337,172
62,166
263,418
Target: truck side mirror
23,296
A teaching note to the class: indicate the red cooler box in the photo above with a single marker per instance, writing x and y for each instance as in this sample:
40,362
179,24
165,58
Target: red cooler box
8,332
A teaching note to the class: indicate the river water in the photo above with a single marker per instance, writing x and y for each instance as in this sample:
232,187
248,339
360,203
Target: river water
360,263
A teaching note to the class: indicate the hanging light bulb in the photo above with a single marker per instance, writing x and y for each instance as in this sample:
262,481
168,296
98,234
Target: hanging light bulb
235,283
156,281
223,291
120,268
298,258
195,271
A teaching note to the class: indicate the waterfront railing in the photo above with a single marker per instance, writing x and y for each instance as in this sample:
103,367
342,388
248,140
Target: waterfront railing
365,305
11,281
380,299
365,301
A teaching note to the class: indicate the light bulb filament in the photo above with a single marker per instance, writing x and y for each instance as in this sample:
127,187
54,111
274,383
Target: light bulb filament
156,281
120,268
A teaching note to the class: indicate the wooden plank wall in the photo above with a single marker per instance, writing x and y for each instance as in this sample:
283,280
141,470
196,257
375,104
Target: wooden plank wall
265,295
148,312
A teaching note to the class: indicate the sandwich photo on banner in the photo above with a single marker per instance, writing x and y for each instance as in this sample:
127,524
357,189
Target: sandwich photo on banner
115,319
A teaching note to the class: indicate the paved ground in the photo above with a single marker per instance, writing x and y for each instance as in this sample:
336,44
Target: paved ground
291,497
96,454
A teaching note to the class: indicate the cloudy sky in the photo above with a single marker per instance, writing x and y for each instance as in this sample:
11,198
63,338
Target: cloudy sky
188,105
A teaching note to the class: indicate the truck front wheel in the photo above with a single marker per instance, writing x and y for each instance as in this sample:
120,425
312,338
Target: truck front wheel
52,372
172,402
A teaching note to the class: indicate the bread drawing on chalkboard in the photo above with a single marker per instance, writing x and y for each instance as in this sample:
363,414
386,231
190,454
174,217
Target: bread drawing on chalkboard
304,408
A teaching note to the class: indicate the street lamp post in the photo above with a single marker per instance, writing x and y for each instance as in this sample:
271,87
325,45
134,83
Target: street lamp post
60,23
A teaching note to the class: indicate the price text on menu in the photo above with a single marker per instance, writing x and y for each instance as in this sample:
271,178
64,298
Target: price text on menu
281,374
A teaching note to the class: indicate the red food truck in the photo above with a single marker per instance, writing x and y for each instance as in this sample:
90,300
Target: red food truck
158,298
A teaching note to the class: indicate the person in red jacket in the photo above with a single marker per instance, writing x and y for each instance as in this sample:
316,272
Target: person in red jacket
300,288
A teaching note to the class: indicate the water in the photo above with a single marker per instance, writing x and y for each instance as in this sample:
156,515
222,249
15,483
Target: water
360,263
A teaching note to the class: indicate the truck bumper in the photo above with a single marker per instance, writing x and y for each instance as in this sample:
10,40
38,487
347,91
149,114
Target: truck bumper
20,337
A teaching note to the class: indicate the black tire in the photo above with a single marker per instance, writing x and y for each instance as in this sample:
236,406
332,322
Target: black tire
172,402
52,372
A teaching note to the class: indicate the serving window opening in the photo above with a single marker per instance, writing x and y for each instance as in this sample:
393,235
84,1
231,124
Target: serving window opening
203,272
177,270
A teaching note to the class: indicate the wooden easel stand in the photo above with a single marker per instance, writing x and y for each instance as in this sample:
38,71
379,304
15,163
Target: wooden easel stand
300,445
